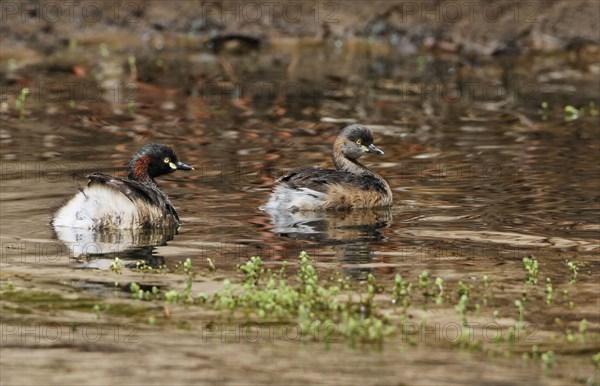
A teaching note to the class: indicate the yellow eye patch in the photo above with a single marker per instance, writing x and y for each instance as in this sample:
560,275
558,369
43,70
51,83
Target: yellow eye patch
166,160
358,142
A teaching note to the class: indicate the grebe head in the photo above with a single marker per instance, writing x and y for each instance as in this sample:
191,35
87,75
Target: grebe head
354,141
154,160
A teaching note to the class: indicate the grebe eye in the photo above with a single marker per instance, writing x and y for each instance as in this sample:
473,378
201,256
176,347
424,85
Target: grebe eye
358,142
167,160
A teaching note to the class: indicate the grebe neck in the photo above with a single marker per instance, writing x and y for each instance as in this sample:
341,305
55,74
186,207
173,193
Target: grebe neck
353,166
138,171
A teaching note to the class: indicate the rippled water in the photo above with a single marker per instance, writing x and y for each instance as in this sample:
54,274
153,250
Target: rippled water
485,164
479,170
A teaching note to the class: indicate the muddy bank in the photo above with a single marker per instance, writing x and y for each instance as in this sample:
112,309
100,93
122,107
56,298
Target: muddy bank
470,28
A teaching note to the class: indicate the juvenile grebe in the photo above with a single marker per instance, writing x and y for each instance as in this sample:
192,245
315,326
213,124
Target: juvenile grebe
135,202
350,185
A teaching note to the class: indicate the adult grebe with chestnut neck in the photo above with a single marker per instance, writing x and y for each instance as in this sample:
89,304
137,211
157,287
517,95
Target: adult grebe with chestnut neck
135,202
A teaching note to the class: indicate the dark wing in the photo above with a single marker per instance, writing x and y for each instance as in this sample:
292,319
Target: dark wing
134,191
318,179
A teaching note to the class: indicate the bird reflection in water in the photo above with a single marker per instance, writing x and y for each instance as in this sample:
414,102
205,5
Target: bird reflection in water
351,232
97,249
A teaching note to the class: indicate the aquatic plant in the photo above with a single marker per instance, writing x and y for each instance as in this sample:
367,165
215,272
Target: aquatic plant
117,266
20,102
401,291
596,360
439,297
548,359
583,327
306,301
574,268
571,113
461,308
532,267
462,289
520,308
486,289
549,291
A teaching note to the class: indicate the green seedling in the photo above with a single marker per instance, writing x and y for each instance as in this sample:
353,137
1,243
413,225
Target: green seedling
532,267
548,359
439,297
583,327
549,291
486,289
463,289
132,66
571,113
569,335
424,279
117,266
596,360
521,309
136,291
574,270
172,296
253,270
461,308
401,291
544,111
511,335
20,102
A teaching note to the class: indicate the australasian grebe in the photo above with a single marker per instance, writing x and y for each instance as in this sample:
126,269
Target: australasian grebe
350,185
135,202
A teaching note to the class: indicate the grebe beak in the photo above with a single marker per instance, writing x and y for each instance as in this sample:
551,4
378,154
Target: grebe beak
374,149
181,166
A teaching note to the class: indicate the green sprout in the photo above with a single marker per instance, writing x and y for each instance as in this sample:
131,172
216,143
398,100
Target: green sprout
549,291
572,113
583,327
461,308
574,269
532,267
520,308
136,291
548,359
117,266
97,310
439,297
172,296
20,102
596,360
401,291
